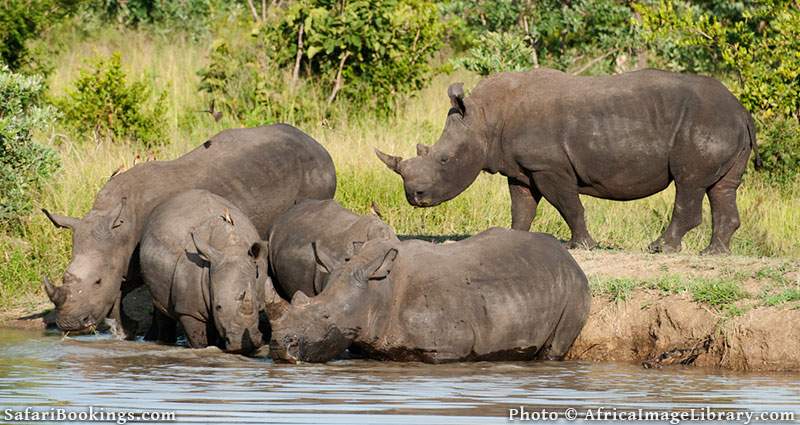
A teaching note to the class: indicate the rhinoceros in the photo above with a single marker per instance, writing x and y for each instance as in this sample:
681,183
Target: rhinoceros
292,262
205,266
499,295
262,170
619,137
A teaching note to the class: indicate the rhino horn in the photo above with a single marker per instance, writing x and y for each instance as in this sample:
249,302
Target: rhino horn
55,293
393,162
275,306
61,221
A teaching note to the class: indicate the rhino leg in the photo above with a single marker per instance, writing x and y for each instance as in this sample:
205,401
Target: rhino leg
724,213
162,328
196,331
524,201
562,192
686,215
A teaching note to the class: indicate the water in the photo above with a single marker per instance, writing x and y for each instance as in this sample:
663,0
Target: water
206,386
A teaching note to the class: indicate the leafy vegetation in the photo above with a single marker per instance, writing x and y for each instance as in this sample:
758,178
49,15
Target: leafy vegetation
372,53
24,165
104,104
371,73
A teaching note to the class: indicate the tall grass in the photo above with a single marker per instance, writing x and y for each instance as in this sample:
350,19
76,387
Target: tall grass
771,218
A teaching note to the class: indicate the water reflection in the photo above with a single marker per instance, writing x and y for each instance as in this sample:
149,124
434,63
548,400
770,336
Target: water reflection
210,386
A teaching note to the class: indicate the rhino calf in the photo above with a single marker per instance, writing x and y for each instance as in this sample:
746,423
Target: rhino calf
291,256
203,262
499,295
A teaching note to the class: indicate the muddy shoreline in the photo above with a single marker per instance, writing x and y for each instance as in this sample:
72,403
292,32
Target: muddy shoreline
648,327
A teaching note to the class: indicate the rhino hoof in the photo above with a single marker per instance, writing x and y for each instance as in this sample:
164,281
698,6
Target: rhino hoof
659,246
715,250
580,244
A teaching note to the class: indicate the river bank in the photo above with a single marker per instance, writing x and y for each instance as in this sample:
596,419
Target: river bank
732,312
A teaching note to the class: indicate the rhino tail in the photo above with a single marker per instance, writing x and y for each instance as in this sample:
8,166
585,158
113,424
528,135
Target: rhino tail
758,163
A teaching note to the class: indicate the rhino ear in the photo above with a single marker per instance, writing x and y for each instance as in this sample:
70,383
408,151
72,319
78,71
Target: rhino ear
393,162
325,263
119,217
381,266
259,250
61,221
423,150
208,252
456,94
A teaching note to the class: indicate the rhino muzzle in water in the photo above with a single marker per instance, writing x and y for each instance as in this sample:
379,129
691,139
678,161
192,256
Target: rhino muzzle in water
619,137
241,165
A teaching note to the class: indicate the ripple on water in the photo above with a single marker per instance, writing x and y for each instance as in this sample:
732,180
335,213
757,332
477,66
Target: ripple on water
210,386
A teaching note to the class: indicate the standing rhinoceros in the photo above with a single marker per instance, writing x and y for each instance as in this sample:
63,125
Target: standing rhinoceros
205,266
263,171
619,137
292,262
499,295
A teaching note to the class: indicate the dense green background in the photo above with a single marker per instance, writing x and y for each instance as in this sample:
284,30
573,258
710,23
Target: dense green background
92,86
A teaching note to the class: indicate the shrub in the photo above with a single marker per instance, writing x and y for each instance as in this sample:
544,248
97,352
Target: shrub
370,53
191,16
24,165
759,46
592,34
779,146
104,103
498,52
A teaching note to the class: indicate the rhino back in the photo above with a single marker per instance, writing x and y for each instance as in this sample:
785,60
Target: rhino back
291,255
640,126
500,291
262,170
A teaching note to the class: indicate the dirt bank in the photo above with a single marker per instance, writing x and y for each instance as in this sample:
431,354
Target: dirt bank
738,313
666,330
663,310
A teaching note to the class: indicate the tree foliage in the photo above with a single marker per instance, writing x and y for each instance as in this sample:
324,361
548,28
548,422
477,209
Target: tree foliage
369,52
760,46
105,104
24,165
560,34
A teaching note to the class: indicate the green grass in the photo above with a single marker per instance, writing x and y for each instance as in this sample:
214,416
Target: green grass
770,217
716,292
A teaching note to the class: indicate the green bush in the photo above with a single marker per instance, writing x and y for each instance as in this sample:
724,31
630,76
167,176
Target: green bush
586,35
24,165
498,52
21,21
369,53
758,46
779,146
190,16
105,104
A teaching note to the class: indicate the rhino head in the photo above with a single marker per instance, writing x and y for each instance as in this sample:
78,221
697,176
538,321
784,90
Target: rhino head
440,172
236,286
320,328
102,245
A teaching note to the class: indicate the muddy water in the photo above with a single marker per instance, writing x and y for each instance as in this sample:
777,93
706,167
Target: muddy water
206,386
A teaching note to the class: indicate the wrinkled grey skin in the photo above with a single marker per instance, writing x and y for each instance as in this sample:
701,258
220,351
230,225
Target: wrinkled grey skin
263,171
499,295
619,137
206,271
292,262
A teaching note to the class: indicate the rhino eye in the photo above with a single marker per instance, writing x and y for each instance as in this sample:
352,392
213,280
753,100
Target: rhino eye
443,160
